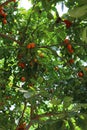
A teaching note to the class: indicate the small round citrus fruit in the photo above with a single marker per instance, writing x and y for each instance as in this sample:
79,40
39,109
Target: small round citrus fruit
80,74
23,79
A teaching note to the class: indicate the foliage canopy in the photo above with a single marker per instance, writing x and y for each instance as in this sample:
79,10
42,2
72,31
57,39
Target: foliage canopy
43,71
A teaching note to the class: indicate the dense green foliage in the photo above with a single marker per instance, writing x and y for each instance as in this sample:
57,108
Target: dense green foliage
43,73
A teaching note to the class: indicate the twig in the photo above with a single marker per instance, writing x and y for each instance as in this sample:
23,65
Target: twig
31,117
5,3
22,115
48,115
10,38
25,104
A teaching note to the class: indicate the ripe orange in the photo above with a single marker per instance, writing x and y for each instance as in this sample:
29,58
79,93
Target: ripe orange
71,61
23,79
1,12
4,21
69,47
4,15
80,74
66,41
31,45
68,23
28,46
22,65
71,51
1,8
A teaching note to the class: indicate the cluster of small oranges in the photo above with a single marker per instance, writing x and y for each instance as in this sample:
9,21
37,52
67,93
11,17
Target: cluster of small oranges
4,15
71,51
82,73
68,45
22,64
31,45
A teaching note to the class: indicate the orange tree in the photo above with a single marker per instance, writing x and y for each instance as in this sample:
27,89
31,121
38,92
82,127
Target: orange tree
43,73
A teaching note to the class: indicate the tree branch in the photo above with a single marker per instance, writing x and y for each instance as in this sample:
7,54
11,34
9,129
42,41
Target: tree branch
37,117
5,3
22,115
25,105
48,115
29,125
10,38
31,117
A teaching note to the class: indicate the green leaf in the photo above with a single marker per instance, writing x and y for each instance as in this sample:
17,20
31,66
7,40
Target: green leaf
78,11
84,35
55,101
67,101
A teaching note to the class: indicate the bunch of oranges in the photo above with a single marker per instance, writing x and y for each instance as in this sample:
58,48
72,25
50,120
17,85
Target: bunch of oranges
69,48
22,65
71,61
4,15
31,45
68,45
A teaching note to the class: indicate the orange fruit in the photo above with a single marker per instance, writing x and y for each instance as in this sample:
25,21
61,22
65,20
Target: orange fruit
28,46
69,46
4,15
71,51
4,21
80,74
1,8
66,41
31,45
22,65
68,23
71,61
2,12
23,79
